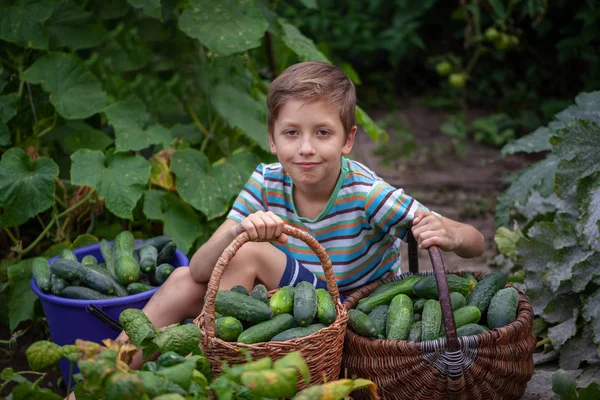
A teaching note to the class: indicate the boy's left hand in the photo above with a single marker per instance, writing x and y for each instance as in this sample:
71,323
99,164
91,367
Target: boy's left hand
431,230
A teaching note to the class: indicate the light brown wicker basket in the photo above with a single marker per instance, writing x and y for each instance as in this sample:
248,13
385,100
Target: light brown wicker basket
492,365
322,350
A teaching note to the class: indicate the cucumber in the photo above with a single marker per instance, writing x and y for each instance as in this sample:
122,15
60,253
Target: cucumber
416,317
89,260
418,305
472,281
242,307
160,275
41,273
123,245
157,242
400,318
379,316
282,300
361,323
68,255
73,270
137,287
404,286
83,293
228,329
260,292
126,269
427,287
471,329
298,332
431,320
57,284
120,290
107,253
166,254
503,308
326,312
305,303
240,289
264,331
485,290
457,300
466,315
415,331
148,256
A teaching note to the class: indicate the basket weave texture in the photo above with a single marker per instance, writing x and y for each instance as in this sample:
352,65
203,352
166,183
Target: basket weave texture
322,350
492,365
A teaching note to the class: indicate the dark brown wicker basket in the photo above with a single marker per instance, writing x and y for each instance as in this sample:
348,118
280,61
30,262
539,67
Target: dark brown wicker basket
492,365
322,350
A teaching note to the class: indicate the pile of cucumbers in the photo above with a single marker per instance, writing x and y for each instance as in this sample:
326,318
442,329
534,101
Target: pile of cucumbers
409,309
291,313
125,269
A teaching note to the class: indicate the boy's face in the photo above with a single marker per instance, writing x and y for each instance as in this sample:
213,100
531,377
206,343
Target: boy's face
309,141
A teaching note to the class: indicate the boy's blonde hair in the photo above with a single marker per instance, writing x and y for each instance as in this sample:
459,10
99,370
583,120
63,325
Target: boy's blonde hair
312,81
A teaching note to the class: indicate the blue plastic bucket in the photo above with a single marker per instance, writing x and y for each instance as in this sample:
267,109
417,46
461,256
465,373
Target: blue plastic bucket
70,319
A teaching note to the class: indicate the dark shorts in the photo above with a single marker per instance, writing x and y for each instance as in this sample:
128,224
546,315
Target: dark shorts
295,273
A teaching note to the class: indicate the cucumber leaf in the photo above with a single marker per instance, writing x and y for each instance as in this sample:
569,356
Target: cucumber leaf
182,339
70,26
589,220
222,26
151,8
137,326
370,127
23,22
22,299
26,187
300,44
535,142
42,354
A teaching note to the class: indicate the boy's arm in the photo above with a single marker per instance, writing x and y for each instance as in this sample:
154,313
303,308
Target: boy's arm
447,234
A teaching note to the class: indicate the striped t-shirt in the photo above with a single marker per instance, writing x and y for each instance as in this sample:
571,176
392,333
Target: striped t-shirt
360,227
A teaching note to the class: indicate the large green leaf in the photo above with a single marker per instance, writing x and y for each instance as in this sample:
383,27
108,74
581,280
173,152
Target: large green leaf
535,142
189,132
209,189
126,52
23,23
225,27
587,107
7,107
74,90
132,126
561,308
578,349
578,148
370,127
589,221
562,332
591,313
4,134
242,111
180,220
72,27
586,271
300,44
21,298
151,7
120,181
26,187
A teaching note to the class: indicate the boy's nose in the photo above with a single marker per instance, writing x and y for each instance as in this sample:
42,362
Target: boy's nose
306,147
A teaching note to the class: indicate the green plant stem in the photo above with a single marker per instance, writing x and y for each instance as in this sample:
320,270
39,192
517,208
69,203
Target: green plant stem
40,221
11,236
9,64
543,342
70,375
59,201
197,120
54,220
48,129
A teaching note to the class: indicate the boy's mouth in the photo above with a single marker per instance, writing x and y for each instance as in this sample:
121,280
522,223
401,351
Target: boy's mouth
307,165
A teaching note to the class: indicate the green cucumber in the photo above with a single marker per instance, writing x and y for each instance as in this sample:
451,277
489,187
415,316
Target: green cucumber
137,287
503,308
260,292
240,289
57,284
305,303
166,254
148,256
158,242
326,312
228,329
298,332
107,254
404,286
427,287
127,269
466,315
361,323
161,274
400,318
73,270
264,331
242,307
471,329
120,290
415,331
416,317
418,305
282,300
431,320
379,316
457,300
123,245
41,273
472,281
68,254
485,290
83,293
89,260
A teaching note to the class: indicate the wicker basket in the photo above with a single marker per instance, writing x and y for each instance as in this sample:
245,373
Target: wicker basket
492,365
322,350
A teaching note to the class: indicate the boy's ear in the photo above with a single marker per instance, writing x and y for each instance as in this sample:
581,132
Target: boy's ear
349,141
272,143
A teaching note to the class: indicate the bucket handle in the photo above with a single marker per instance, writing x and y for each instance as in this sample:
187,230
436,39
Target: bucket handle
105,318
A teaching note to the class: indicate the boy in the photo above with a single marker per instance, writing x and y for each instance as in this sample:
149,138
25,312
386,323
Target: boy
357,217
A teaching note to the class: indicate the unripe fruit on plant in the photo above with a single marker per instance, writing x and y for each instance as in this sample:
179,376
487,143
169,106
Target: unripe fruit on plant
443,68
458,80
491,34
503,42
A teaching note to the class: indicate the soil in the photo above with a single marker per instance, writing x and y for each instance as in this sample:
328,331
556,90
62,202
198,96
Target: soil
463,188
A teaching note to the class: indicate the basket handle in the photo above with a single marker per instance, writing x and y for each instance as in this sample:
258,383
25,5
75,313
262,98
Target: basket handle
444,295
231,250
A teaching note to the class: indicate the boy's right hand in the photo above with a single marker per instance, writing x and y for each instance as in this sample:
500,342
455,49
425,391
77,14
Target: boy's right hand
262,226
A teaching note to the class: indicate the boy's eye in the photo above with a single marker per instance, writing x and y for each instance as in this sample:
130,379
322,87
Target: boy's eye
290,132
323,132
